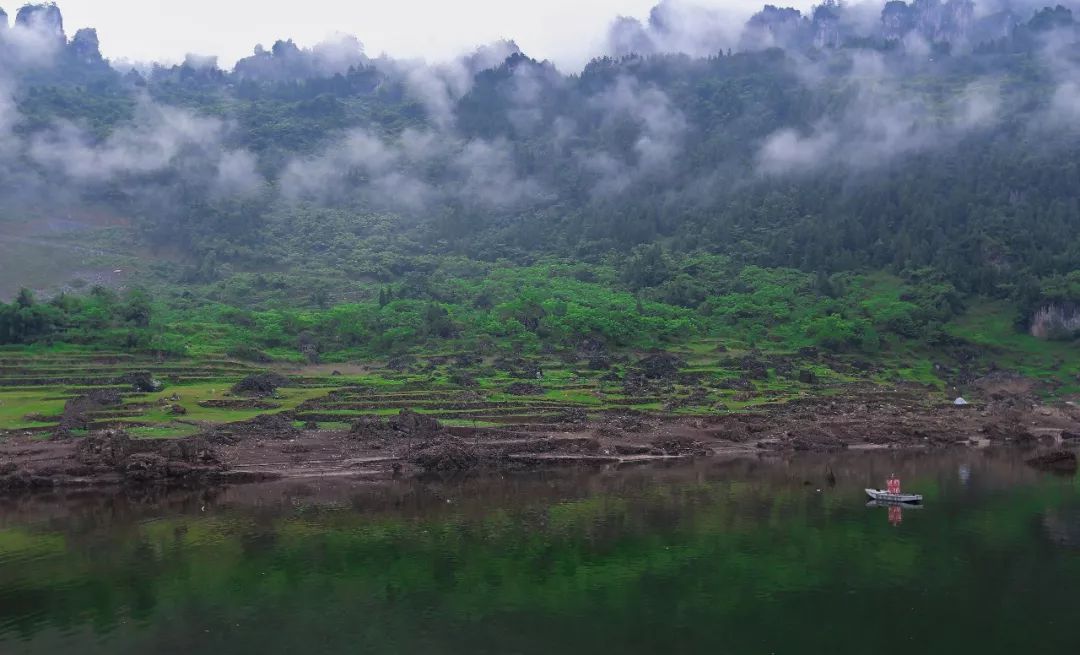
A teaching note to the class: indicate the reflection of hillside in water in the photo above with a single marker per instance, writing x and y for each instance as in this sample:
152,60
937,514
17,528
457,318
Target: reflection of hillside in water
750,482
712,555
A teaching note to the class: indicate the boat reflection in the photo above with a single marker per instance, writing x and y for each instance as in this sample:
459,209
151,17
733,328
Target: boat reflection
896,510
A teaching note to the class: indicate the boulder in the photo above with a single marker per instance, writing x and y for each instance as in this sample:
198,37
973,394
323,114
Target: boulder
145,467
104,449
274,426
448,456
659,366
525,389
679,445
370,427
141,381
414,424
260,384
401,363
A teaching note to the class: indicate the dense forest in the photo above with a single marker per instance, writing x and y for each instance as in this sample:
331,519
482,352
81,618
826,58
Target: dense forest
818,179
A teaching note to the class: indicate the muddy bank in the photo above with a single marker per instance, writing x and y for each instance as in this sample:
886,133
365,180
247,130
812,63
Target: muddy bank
411,444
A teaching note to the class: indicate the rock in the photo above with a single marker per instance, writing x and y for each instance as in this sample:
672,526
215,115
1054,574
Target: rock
370,427
105,449
576,415
141,381
44,19
401,363
679,445
1055,321
463,379
190,450
93,400
415,424
447,456
274,426
260,384
754,368
145,467
659,366
178,410
1059,461
599,363
1069,436
635,384
85,47
525,389
806,376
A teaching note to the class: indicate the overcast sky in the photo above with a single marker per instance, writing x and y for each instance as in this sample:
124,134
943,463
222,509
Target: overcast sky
565,31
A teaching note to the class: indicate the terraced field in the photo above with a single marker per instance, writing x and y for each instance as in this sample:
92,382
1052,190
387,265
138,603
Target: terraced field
34,388
531,394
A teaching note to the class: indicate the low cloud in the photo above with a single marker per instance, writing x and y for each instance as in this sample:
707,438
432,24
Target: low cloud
153,141
390,172
659,126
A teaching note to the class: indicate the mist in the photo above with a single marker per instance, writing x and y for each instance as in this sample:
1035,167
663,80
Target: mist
543,135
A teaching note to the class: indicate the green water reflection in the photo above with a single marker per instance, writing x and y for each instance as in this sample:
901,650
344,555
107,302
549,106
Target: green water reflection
741,556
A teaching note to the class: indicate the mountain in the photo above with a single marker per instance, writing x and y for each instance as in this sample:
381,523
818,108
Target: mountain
930,142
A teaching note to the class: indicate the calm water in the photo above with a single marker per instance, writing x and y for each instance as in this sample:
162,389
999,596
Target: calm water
737,556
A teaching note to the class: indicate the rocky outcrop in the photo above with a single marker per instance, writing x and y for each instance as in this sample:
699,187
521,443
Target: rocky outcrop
260,384
660,366
141,381
85,47
773,26
43,18
415,424
826,25
285,61
525,389
936,21
897,19
1056,321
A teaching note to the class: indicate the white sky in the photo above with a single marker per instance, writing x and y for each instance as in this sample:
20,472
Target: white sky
565,31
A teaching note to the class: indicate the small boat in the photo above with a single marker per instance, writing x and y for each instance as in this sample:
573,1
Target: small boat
886,497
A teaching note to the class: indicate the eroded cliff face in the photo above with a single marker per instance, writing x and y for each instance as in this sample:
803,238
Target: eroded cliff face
1056,321
84,45
43,18
933,20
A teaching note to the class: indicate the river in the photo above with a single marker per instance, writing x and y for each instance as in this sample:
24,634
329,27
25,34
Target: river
740,555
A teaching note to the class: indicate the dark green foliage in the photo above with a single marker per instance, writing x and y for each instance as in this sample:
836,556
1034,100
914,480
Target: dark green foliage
100,317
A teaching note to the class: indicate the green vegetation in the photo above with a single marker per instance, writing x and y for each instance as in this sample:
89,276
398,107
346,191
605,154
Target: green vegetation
723,208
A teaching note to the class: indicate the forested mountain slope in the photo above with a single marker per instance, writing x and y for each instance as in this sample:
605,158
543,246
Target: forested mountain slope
862,181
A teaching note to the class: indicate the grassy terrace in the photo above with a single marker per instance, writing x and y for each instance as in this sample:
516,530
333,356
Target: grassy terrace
34,385
36,382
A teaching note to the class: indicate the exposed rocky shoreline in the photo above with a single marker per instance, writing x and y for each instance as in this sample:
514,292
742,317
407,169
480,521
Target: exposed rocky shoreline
412,444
